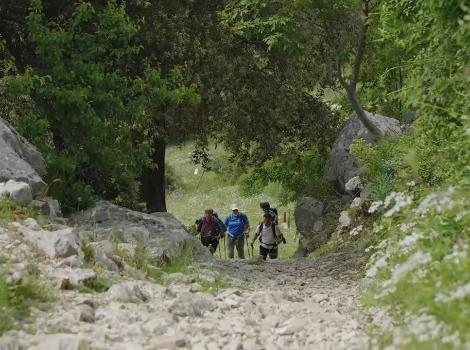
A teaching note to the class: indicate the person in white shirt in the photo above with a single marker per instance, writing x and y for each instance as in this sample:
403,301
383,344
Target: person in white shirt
269,237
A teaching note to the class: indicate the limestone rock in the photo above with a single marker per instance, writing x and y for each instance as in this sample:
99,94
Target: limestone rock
65,277
86,313
60,243
344,219
192,304
18,192
59,342
20,160
71,261
307,212
160,233
169,342
342,166
354,186
127,292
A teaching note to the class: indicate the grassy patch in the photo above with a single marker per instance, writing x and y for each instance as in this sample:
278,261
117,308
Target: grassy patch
100,285
17,299
220,282
10,211
217,189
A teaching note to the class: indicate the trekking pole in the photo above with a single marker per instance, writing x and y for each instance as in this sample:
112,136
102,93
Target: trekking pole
225,250
247,247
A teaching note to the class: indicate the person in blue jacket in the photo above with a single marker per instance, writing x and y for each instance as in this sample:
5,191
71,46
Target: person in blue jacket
238,228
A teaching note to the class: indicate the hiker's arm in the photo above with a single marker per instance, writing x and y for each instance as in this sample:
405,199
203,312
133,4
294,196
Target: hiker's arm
199,225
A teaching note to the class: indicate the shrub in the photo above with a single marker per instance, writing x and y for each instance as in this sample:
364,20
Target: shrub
298,174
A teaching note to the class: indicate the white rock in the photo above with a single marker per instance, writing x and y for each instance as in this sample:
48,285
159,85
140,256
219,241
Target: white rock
169,342
86,313
19,192
354,186
127,292
357,203
64,277
192,304
60,243
344,219
59,342
71,261
195,287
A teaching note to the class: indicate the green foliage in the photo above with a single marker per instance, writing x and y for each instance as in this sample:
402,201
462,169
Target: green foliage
17,299
89,254
172,182
100,285
383,165
94,105
10,211
421,271
299,174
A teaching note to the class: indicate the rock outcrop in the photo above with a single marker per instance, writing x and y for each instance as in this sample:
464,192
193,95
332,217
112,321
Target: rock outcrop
308,220
342,166
160,233
18,192
59,243
20,160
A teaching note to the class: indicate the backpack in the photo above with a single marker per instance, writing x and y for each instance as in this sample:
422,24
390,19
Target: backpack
222,226
274,210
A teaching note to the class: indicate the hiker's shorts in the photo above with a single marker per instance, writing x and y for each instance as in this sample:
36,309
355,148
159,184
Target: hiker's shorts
211,241
265,251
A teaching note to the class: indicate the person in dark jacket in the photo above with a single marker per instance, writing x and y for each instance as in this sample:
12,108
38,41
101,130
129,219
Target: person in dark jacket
210,231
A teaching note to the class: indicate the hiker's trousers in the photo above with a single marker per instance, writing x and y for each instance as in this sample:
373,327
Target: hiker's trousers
212,241
239,243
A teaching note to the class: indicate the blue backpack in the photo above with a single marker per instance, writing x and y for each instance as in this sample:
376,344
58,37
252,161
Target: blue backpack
222,226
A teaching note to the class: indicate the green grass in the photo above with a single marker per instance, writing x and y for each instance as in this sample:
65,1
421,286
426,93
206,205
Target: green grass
9,211
16,301
100,285
217,190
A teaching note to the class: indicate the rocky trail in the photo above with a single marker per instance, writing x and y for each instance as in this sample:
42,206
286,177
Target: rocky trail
307,303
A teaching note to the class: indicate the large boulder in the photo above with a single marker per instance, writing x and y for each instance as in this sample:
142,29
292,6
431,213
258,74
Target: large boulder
19,192
308,220
342,166
160,233
20,160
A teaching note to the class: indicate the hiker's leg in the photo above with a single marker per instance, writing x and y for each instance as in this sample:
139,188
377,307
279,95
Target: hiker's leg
214,243
230,246
205,241
263,252
241,247
273,253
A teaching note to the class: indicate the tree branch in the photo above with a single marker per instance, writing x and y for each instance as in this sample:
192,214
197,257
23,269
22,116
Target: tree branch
361,46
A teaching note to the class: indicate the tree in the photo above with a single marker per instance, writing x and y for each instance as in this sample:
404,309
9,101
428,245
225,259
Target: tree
332,32
78,69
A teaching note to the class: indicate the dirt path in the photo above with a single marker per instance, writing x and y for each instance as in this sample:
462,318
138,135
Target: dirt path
287,304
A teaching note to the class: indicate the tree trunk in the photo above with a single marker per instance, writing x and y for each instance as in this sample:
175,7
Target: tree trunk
361,114
153,180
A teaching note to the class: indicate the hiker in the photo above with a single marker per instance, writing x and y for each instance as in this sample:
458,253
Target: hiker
210,230
238,227
266,207
269,237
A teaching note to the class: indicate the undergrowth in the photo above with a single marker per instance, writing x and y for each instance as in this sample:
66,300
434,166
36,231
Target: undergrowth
16,301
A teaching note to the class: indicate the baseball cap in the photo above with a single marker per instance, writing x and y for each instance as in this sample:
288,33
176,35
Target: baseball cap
234,207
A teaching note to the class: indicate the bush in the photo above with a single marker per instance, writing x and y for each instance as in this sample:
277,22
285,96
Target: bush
298,174
421,270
